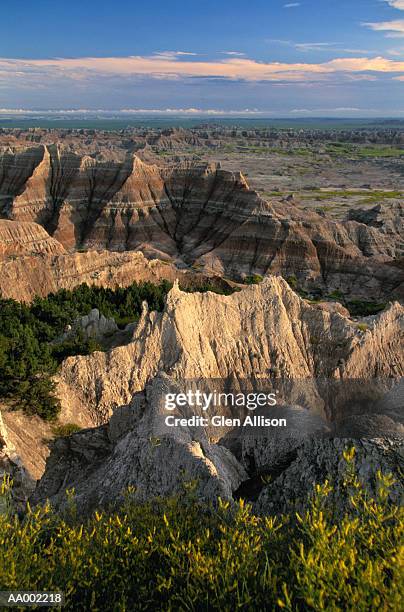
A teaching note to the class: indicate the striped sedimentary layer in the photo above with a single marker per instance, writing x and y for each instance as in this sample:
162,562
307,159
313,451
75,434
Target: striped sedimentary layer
199,215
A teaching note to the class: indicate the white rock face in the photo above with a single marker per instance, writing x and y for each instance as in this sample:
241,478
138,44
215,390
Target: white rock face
12,465
264,331
94,325
135,450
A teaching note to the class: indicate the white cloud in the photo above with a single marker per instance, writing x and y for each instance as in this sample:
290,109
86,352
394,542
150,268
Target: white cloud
346,109
325,46
292,5
192,112
312,46
317,46
234,53
130,111
34,72
398,4
338,109
394,29
173,54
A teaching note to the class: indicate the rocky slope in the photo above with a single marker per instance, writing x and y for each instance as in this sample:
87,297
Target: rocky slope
23,451
102,463
335,378
266,331
19,239
316,459
33,263
134,451
197,215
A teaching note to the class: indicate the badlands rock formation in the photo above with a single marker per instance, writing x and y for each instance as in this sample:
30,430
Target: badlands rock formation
23,451
198,215
266,331
18,239
136,450
132,451
70,217
316,459
32,263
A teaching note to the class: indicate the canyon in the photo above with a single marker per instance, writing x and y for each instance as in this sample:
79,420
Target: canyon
343,383
109,209
190,216
338,380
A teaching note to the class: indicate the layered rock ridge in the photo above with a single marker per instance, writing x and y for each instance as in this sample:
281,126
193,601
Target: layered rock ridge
198,215
266,331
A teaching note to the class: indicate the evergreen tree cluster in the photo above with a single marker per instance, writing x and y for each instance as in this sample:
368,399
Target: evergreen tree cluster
28,358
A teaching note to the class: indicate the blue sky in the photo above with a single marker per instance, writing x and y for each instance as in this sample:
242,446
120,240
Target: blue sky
269,57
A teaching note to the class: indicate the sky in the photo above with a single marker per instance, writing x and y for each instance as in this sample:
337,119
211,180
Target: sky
272,58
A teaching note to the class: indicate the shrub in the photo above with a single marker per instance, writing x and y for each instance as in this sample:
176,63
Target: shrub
292,281
178,554
254,279
360,308
77,345
38,397
362,327
61,431
336,295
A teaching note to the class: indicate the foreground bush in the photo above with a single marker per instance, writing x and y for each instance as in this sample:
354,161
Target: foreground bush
179,555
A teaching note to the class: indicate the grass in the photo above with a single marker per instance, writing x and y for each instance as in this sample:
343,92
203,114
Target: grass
360,152
179,555
376,194
336,149
380,151
364,309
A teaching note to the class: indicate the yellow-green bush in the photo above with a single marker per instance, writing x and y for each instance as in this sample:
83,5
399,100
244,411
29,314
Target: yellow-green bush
179,555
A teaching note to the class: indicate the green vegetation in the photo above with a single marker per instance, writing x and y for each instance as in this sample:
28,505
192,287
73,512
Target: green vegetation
28,359
336,295
379,151
28,354
292,282
362,327
335,149
61,431
360,308
356,308
179,555
362,151
253,279
368,196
